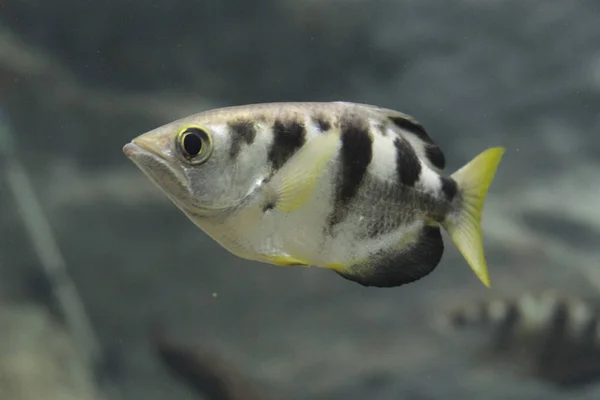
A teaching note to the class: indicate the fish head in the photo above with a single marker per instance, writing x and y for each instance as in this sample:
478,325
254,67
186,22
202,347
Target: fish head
189,161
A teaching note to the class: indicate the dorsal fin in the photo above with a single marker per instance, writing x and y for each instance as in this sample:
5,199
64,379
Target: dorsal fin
419,138
416,135
411,130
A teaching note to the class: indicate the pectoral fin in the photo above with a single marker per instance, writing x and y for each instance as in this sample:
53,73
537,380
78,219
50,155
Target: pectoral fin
295,182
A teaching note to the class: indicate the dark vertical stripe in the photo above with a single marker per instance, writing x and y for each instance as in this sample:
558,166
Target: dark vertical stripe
355,157
503,335
408,167
560,316
242,131
288,137
449,188
555,334
485,316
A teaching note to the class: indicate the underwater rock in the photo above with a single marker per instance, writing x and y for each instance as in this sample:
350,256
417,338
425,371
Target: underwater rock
38,359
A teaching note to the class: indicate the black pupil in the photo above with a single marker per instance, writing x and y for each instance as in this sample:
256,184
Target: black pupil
192,144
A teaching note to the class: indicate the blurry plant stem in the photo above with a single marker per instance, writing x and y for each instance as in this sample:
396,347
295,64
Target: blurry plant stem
203,371
47,250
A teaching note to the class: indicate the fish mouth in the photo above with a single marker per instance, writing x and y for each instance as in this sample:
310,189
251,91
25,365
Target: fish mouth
131,150
158,169
135,149
147,158
156,166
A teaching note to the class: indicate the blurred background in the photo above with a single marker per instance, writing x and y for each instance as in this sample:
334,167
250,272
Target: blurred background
93,257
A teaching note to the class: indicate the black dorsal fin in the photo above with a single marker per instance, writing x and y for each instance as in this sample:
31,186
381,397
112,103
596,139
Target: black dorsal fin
413,128
408,127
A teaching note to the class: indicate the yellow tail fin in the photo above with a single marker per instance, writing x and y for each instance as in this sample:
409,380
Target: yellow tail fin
464,225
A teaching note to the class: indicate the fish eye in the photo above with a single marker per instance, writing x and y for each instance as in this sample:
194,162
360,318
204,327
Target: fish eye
195,144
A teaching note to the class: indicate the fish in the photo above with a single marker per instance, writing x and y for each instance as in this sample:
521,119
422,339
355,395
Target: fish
551,336
353,188
529,314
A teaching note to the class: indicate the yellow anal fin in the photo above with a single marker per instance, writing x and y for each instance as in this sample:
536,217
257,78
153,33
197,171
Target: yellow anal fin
286,261
464,225
294,183
336,267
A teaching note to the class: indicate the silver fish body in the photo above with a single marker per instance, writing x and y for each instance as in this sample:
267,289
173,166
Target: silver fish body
349,187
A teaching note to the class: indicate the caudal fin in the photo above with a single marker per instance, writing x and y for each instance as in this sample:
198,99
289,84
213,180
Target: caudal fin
464,225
